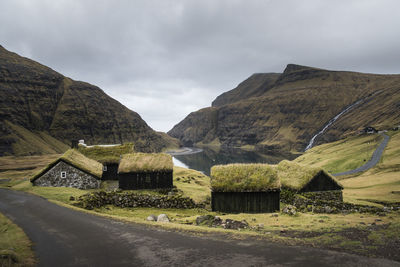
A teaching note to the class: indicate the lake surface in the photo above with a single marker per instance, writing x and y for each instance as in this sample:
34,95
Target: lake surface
204,160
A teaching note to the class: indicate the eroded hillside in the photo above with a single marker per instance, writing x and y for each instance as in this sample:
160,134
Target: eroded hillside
282,112
41,111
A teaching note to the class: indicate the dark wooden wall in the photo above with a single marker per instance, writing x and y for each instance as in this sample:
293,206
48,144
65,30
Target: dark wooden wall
321,182
247,202
145,180
111,173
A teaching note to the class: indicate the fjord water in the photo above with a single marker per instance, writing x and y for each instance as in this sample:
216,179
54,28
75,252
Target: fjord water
205,159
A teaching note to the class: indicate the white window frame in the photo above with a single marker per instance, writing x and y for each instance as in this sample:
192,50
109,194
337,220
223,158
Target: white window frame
63,175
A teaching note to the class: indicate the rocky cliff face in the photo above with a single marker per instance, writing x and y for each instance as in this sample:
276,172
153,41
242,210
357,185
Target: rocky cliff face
41,111
281,112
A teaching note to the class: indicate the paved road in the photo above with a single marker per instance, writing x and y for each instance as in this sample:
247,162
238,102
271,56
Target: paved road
376,156
65,237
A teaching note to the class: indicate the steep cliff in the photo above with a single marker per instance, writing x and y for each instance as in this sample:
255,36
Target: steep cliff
281,112
41,111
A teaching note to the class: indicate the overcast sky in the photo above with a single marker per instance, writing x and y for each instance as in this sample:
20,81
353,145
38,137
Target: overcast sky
165,59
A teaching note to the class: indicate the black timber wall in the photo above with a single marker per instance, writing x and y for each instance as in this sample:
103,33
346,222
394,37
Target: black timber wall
247,202
145,180
111,173
321,182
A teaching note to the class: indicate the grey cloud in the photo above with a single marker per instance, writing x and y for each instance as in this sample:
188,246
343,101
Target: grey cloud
186,52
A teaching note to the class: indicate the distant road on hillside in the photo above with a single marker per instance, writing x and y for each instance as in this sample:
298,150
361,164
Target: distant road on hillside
376,157
66,237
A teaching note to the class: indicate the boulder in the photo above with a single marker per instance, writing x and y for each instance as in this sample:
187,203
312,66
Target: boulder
162,218
290,210
232,224
152,218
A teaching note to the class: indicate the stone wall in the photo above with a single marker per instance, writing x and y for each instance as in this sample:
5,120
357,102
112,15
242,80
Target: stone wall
133,199
74,178
336,195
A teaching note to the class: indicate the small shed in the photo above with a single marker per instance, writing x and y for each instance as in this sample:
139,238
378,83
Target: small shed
145,171
303,179
109,156
70,170
249,188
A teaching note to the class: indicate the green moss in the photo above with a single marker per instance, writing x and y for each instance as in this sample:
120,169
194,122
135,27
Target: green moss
109,154
145,162
295,176
244,178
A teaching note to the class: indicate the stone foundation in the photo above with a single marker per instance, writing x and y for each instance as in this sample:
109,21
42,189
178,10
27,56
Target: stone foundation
336,195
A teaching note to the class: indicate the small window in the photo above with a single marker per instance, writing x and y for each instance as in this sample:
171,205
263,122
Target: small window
63,174
104,168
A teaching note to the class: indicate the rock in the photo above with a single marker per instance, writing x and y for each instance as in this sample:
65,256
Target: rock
71,198
232,224
275,215
260,226
290,210
328,209
208,220
162,218
152,218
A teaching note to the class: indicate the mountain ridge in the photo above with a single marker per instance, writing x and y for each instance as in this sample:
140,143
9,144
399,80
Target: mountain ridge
46,103
285,114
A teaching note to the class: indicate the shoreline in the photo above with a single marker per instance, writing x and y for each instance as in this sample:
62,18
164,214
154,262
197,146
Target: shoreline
184,151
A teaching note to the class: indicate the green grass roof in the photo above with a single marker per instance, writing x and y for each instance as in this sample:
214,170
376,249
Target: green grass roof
78,160
145,162
295,176
244,178
109,154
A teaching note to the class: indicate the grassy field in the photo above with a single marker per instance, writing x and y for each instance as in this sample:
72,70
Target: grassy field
379,184
342,155
15,247
366,234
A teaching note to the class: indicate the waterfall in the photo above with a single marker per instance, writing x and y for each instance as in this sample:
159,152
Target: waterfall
310,144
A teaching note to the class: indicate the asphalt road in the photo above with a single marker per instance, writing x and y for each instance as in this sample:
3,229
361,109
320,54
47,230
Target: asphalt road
65,237
376,156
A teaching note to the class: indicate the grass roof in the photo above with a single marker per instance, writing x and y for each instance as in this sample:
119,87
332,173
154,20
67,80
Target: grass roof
75,158
145,162
244,178
296,176
106,154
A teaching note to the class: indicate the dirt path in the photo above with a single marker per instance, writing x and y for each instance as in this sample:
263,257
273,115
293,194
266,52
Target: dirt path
376,157
65,237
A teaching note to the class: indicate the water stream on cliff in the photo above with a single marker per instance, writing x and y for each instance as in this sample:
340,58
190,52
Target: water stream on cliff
311,143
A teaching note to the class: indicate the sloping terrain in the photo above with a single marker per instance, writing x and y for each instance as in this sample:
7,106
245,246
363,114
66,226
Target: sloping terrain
37,103
283,114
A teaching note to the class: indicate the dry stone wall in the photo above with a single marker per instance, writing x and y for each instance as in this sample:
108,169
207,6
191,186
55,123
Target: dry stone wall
132,199
73,177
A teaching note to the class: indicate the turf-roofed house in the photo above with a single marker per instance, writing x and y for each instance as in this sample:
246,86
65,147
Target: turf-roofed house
72,169
145,171
249,188
313,183
109,156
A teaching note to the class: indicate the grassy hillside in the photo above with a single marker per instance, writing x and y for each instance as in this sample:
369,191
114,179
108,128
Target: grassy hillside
377,185
285,114
40,105
343,155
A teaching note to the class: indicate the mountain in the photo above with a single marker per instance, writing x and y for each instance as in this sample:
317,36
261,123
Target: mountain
41,111
282,112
